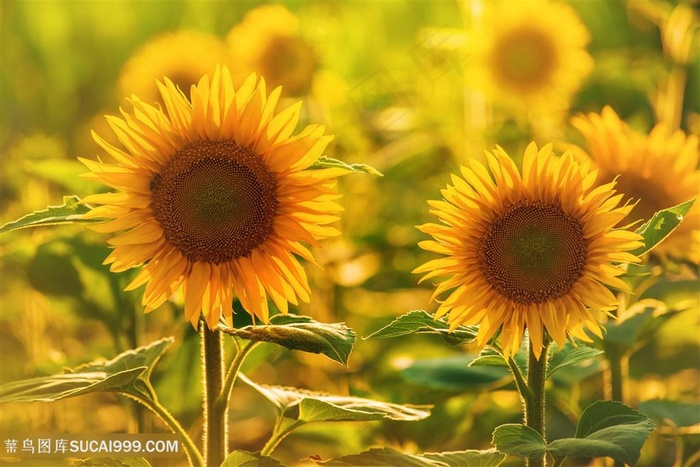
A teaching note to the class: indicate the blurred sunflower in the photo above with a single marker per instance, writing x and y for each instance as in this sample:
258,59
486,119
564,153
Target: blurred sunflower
530,251
534,54
215,197
268,42
182,56
659,169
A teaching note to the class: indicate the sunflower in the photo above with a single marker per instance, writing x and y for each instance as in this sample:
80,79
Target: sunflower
268,42
183,56
659,169
535,53
215,195
531,251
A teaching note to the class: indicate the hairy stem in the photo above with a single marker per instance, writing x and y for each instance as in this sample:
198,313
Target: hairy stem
534,405
215,415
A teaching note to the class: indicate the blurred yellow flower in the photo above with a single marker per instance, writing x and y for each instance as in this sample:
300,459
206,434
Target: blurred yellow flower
268,42
528,251
183,56
214,196
659,169
534,54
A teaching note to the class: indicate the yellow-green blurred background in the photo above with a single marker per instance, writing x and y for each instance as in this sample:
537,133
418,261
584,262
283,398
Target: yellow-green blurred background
393,81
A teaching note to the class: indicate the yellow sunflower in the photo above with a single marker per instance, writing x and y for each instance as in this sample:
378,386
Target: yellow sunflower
182,56
659,169
534,53
215,195
528,251
268,42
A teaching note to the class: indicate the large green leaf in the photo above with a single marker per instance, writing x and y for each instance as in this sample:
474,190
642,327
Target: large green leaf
71,211
453,373
124,373
516,439
469,458
383,457
325,162
677,414
660,226
419,321
250,459
301,333
606,429
309,406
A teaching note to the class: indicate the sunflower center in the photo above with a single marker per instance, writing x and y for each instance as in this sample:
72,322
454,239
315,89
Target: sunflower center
524,58
533,252
215,201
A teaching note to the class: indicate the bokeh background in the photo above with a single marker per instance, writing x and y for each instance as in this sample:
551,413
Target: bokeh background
403,87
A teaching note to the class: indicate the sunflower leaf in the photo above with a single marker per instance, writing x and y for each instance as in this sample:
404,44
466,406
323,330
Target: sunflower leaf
325,162
124,373
71,211
568,355
419,321
249,459
660,226
453,374
517,439
334,340
309,406
674,413
392,457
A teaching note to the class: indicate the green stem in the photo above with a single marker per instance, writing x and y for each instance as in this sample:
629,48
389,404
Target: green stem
215,415
278,436
520,383
534,405
222,401
193,454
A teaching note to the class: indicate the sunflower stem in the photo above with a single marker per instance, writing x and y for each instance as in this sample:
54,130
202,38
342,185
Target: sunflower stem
215,415
520,383
534,405
223,399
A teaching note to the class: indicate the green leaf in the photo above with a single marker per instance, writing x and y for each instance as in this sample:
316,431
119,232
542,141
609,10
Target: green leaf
383,457
660,226
71,211
301,333
606,429
518,440
250,459
638,327
453,373
324,162
419,321
308,406
112,462
677,414
569,355
124,373
469,458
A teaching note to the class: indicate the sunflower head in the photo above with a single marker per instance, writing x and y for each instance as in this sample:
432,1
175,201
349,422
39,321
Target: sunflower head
183,56
532,249
268,42
214,196
534,53
658,170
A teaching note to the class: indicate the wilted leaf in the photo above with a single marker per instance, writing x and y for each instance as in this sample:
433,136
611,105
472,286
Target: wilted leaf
310,406
419,321
660,226
250,459
301,333
120,374
71,211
